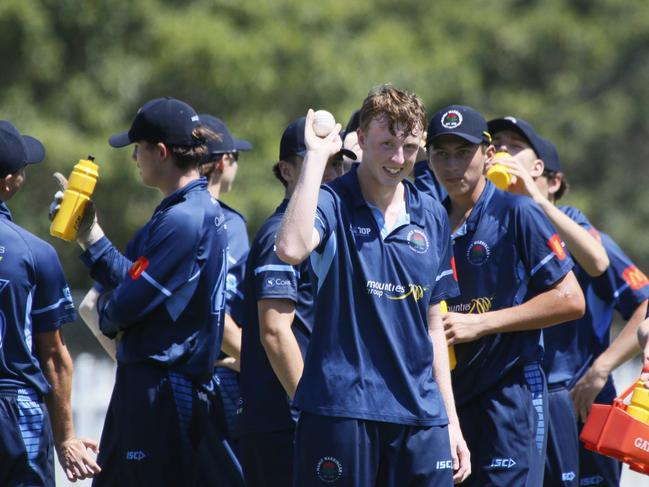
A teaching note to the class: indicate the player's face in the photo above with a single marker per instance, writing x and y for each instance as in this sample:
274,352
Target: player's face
388,157
148,162
515,145
230,167
334,168
457,163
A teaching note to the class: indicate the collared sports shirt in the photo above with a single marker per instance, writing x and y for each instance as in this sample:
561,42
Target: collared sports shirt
426,181
238,247
167,294
505,253
370,355
265,405
34,298
571,348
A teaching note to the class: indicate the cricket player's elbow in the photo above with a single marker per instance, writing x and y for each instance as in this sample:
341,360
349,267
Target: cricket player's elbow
574,303
291,252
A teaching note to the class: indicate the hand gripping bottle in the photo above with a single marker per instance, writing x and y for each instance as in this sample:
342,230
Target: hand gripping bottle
443,307
81,184
498,173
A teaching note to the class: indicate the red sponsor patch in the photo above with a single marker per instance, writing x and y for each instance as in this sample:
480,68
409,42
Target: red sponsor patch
138,267
555,243
453,267
635,278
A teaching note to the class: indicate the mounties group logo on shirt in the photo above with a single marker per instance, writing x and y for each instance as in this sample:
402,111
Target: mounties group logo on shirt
451,119
418,241
395,291
478,252
329,469
635,278
556,245
476,305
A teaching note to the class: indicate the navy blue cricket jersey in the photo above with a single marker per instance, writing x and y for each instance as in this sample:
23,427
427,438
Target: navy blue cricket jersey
426,181
571,348
238,247
34,298
265,403
167,294
506,252
370,355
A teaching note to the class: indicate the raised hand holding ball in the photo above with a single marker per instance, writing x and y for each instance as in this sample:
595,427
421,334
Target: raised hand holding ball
323,123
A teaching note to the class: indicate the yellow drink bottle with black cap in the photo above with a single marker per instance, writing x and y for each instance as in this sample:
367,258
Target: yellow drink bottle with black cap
639,406
81,184
498,173
443,307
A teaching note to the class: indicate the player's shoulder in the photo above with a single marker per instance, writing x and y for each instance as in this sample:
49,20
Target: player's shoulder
231,215
431,207
24,241
575,214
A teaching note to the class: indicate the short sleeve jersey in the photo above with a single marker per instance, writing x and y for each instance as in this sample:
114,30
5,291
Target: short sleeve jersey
571,348
34,298
265,405
426,181
370,355
506,252
167,294
238,248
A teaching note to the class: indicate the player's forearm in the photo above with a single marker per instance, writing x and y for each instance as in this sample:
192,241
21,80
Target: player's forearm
562,303
58,371
231,338
284,356
295,236
441,367
584,248
625,346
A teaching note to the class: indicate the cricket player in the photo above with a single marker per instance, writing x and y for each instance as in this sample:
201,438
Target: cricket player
279,301
375,397
515,278
579,357
165,299
220,169
35,365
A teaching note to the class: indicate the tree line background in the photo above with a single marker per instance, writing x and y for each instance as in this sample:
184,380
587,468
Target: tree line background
74,73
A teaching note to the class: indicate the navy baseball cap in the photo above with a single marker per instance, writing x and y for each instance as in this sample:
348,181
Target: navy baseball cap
550,157
461,121
521,127
227,143
292,143
354,122
165,120
16,150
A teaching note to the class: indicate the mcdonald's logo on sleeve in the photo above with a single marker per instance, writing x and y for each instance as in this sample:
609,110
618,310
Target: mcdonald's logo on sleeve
556,245
635,278
138,267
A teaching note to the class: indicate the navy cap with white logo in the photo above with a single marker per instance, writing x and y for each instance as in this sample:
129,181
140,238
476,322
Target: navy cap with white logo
16,150
461,121
165,120
521,127
228,143
292,143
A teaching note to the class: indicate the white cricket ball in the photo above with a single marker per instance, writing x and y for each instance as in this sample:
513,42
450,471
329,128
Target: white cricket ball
323,123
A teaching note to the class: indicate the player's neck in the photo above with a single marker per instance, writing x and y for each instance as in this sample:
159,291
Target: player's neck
462,205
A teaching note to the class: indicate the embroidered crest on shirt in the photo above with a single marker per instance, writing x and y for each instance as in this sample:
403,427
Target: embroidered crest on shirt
417,241
478,252
329,469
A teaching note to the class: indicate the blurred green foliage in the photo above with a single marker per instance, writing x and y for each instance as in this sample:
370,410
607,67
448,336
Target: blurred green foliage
74,73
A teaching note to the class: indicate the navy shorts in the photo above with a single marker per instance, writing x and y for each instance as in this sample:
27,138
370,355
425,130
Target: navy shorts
26,450
228,381
160,430
596,469
267,458
506,431
562,462
357,452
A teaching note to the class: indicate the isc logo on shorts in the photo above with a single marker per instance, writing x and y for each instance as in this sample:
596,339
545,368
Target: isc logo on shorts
502,463
136,455
444,465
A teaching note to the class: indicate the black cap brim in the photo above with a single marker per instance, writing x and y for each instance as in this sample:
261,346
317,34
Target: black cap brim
469,138
242,145
120,140
348,153
35,151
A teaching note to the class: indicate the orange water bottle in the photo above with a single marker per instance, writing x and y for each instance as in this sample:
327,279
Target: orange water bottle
498,173
443,307
81,184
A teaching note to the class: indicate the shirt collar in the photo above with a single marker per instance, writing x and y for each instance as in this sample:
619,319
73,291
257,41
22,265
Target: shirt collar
471,223
4,211
179,194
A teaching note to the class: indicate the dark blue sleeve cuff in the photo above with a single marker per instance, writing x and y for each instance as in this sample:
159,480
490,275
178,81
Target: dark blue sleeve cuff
93,253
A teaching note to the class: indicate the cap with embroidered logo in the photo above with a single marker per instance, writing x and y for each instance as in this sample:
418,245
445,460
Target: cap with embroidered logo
461,121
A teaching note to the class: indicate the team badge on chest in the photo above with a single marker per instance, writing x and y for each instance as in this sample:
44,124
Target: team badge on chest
417,241
478,252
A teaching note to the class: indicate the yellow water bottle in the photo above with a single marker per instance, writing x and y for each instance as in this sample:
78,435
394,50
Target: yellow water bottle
498,173
81,184
443,307
639,407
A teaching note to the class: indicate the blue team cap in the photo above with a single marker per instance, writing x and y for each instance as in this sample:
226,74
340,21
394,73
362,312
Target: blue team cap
353,123
165,120
16,150
292,143
461,121
521,127
228,143
550,156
